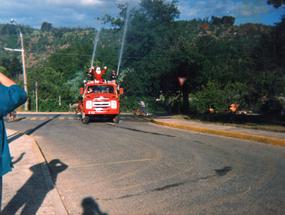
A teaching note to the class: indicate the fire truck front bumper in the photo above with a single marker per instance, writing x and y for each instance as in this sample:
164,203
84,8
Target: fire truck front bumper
97,107
103,111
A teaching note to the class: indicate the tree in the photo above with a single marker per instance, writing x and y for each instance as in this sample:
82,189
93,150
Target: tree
117,22
276,3
13,66
228,20
147,44
3,70
51,85
225,20
160,10
9,29
279,35
46,26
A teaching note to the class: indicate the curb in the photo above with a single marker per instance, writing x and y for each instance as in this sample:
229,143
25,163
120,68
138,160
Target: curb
60,206
56,196
244,136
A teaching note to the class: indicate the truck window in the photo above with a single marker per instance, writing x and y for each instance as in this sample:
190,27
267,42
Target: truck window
101,89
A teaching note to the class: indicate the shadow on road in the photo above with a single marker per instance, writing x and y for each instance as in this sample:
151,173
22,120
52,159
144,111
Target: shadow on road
18,159
90,207
32,194
146,132
218,173
32,130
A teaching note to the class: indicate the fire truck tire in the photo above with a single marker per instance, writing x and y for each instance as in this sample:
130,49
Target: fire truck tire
85,120
116,119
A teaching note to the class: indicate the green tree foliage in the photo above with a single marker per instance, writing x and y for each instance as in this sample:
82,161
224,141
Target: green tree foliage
12,66
3,70
8,29
276,3
214,95
46,26
225,20
279,35
147,46
51,85
159,11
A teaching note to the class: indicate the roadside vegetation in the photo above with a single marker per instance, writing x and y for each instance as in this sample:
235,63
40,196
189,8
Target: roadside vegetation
220,62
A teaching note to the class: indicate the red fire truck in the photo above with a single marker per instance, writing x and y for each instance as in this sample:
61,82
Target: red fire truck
99,97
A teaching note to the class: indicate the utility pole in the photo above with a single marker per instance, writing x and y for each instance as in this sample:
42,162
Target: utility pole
24,68
37,99
22,50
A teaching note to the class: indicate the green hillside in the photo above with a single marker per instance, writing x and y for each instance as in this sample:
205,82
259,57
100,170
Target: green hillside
222,63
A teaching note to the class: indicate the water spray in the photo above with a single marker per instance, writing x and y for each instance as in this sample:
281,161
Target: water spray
96,39
123,39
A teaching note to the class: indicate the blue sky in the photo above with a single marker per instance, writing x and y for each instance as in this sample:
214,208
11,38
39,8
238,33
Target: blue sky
82,13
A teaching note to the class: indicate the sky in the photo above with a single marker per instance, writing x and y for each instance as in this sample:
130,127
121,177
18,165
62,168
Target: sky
83,13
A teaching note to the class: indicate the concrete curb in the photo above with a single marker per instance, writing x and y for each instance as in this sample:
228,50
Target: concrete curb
58,198
244,136
29,142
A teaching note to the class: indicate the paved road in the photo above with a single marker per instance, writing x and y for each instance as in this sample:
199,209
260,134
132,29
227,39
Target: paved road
139,168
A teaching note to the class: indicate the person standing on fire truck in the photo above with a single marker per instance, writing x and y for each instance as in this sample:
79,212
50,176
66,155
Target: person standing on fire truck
96,73
11,96
113,75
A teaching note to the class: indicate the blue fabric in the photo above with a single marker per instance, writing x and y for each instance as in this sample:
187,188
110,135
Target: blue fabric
10,98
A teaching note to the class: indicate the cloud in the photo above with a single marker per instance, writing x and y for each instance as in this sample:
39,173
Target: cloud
83,13
69,13
250,10
237,8
76,2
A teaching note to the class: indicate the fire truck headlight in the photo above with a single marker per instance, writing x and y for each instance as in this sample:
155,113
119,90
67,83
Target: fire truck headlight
88,104
114,104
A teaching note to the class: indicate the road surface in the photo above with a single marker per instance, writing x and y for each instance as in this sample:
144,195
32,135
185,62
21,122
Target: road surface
135,167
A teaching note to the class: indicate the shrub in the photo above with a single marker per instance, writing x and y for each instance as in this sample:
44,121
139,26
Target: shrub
217,97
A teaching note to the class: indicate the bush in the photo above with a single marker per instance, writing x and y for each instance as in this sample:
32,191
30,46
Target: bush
217,97
271,106
48,105
210,95
129,103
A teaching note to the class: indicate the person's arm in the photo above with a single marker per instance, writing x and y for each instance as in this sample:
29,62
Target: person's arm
5,80
11,95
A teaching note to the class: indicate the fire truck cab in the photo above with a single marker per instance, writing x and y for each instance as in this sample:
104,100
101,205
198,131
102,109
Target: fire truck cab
100,98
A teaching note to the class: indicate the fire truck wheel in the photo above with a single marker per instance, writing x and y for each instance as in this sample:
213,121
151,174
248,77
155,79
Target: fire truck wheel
85,120
116,119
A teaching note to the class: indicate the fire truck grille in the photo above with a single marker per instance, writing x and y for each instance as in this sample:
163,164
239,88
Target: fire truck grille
101,104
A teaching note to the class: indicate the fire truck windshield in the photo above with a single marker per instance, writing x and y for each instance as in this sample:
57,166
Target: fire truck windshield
100,89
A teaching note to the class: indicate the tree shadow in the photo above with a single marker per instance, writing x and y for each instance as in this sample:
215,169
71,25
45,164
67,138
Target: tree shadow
90,207
32,194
